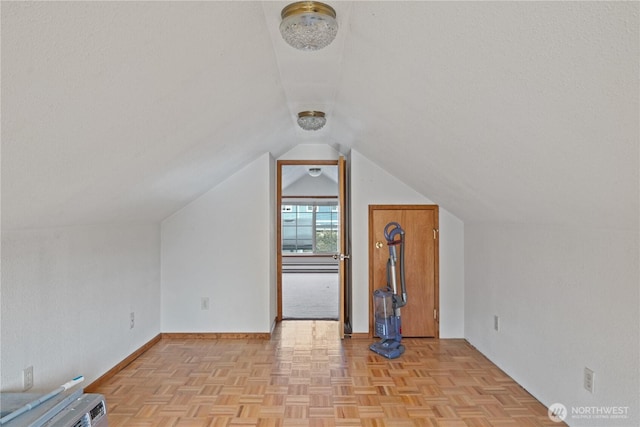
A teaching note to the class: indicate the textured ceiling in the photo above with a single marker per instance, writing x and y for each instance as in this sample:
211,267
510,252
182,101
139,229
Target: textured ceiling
498,111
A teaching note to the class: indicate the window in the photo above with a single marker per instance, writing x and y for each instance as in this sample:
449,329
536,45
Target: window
310,228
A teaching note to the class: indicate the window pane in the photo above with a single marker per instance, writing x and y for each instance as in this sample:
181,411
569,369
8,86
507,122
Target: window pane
310,227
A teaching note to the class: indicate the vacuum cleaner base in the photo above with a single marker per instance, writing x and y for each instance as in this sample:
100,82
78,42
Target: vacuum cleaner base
390,349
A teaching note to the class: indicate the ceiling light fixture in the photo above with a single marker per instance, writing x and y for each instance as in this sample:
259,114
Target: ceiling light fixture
315,172
311,120
308,25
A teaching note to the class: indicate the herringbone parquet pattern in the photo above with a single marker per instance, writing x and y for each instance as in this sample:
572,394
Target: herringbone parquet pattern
306,376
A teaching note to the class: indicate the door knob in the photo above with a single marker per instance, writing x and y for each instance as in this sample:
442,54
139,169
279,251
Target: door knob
379,245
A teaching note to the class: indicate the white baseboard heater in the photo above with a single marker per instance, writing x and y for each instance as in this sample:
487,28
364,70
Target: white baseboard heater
70,409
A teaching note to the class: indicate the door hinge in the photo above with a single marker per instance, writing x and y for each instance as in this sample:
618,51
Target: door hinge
435,314
435,233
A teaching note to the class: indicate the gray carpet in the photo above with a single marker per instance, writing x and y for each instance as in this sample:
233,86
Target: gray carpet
310,296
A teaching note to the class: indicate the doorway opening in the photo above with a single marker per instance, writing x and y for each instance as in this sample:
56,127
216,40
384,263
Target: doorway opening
309,230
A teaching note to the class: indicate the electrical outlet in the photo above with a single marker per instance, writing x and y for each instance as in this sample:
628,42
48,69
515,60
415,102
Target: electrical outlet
27,378
496,323
204,303
132,320
588,379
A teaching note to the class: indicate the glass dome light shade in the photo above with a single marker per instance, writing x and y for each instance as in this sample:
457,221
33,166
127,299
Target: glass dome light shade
311,120
308,25
315,172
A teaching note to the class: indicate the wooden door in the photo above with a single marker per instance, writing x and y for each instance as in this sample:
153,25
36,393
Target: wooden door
343,256
420,317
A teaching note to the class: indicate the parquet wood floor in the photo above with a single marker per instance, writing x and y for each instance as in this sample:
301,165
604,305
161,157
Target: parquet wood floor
306,376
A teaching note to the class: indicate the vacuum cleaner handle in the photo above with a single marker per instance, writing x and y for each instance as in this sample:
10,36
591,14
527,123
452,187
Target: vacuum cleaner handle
391,235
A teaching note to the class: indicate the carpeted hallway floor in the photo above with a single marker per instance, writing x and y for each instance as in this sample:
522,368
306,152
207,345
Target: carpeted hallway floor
310,296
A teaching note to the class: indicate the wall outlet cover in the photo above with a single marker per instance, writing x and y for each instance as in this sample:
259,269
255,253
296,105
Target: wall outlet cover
588,379
27,378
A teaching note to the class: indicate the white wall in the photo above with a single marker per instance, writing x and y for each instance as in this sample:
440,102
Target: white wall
310,186
220,246
204,250
66,298
370,184
311,152
567,298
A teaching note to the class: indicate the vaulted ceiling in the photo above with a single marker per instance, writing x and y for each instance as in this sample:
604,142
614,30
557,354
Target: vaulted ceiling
497,111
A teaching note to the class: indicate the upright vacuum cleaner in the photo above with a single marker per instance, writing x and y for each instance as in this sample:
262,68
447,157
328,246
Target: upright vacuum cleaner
387,301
